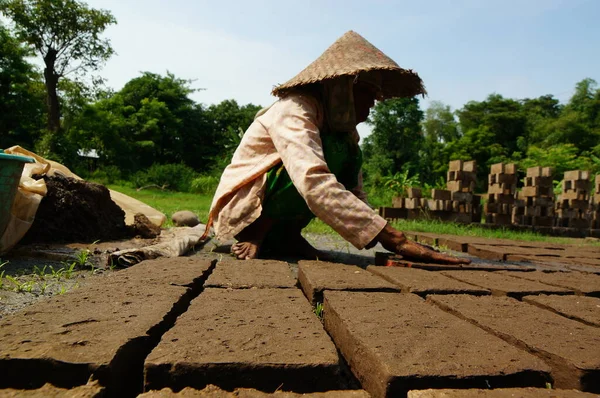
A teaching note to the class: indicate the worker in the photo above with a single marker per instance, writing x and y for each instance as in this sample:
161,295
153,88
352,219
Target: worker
300,158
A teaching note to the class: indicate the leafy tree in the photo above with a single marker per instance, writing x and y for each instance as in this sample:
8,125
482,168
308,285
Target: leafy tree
394,144
66,34
21,94
440,128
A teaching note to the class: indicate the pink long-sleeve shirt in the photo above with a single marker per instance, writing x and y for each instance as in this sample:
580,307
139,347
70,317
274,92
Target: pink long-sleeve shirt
288,132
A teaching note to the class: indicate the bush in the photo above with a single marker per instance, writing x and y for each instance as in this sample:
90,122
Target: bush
176,177
205,184
106,175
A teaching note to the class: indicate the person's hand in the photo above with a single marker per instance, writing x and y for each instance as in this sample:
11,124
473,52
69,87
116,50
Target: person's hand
395,241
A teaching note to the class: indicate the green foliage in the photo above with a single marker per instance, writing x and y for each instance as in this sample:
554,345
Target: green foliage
66,34
396,138
400,182
21,94
318,310
205,184
175,177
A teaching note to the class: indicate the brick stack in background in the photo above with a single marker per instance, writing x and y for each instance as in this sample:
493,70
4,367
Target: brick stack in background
502,186
535,203
440,204
466,207
409,207
572,206
595,200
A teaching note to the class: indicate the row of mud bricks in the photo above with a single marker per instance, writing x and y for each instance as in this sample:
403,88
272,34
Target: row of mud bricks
193,326
535,205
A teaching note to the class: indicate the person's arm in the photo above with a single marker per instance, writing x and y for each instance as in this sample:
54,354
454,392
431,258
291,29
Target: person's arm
295,134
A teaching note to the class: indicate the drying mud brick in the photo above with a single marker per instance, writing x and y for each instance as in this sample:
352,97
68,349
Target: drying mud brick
503,285
49,391
570,347
395,342
215,392
177,271
76,211
422,282
500,393
99,331
257,338
103,329
583,309
317,276
251,274
579,282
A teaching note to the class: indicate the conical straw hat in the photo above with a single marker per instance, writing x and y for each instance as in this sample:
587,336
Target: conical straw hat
350,55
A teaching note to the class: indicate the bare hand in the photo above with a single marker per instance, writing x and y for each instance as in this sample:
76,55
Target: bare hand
395,241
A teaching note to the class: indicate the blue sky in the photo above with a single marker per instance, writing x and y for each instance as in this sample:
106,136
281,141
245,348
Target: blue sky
463,49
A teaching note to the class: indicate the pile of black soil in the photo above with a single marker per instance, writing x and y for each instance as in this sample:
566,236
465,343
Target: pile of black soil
77,211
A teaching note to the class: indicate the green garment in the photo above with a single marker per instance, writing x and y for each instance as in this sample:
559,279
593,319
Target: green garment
284,204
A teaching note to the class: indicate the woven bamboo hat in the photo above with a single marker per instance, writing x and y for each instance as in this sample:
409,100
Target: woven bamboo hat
352,55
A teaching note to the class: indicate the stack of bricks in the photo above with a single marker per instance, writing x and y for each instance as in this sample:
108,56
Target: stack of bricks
408,207
502,186
535,203
440,204
572,208
595,201
461,180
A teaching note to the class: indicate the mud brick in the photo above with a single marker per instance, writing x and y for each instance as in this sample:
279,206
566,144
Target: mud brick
413,192
396,342
579,223
436,205
463,218
573,175
464,176
391,213
542,201
541,221
441,194
538,182
579,282
575,185
498,393
502,179
547,171
448,205
470,166
315,277
532,211
212,391
498,219
99,329
259,338
504,189
574,195
465,197
398,202
510,168
501,198
422,282
497,168
412,203
518,219
582,309
534,171
505,285
454,186
571,348
573,204
455,165
537,191
491,208
92,390
232,274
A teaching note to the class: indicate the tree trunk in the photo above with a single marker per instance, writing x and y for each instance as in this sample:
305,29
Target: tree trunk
51,80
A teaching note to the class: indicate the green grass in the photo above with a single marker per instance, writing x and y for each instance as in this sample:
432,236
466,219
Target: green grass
169,202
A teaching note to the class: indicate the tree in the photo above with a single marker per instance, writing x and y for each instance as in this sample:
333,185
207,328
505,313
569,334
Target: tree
21,94
66,34
394,144
439,124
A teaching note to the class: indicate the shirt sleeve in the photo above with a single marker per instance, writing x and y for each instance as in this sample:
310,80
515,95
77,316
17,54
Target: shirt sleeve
295,134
